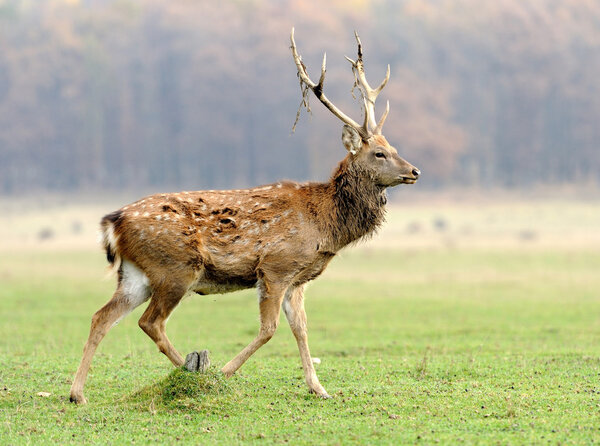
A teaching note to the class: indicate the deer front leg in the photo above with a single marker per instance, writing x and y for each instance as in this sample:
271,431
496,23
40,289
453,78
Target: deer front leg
293,307
270,298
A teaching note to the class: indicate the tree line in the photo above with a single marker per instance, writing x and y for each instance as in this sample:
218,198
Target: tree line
123,94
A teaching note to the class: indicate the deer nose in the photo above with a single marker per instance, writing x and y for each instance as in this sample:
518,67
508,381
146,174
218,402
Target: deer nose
416,172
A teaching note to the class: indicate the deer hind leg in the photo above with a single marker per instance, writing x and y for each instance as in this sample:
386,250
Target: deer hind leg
131,292
154,320
270,298
293,307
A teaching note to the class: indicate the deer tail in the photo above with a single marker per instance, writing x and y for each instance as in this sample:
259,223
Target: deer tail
109,239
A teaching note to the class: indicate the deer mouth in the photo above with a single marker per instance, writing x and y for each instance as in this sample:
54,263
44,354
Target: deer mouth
407,180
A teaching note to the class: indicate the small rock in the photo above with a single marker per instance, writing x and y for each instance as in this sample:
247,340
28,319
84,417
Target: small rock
203,361
44,394
191,362
316,361
197,361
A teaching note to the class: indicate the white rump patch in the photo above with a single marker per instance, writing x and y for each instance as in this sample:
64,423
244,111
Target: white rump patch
135,284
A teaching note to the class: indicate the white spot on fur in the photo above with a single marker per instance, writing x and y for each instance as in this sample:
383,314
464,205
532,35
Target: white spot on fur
146,214
158,217
136,213
279,185
125,208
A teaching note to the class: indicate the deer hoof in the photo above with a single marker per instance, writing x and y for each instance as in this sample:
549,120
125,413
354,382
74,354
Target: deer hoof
227,373
321,394
78,399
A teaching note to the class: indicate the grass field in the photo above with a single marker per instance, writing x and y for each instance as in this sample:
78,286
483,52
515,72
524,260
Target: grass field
461,323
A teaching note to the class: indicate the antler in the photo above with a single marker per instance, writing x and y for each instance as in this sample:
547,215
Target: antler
369,94
317,89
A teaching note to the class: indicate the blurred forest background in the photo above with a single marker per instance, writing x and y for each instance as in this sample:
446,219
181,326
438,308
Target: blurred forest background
145,95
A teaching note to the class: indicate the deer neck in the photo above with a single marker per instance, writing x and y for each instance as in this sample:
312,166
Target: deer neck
358,204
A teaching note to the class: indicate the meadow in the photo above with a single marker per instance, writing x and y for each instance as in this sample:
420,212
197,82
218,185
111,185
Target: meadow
464,321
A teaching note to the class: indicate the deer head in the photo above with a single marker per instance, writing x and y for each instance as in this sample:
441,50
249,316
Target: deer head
367,148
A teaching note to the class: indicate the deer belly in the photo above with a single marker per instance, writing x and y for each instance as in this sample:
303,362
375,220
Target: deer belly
203,288
215,280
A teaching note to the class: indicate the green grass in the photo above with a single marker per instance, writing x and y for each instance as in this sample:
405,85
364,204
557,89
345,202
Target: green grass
424,346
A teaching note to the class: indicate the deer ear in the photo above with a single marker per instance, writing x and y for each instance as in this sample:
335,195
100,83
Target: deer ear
351,139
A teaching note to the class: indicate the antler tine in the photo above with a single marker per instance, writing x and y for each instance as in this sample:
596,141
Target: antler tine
366,117
317,89
377,130
370,94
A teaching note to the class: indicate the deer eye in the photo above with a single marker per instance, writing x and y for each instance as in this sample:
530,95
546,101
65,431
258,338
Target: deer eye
380,155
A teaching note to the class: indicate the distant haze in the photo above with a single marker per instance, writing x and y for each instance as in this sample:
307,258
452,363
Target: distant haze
112,95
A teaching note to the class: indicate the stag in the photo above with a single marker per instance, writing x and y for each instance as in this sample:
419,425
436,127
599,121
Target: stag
275,238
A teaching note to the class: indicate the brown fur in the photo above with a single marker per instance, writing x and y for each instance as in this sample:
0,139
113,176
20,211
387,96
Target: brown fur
278,236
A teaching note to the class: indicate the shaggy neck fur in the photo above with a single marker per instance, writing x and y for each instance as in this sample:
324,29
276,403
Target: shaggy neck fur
358,204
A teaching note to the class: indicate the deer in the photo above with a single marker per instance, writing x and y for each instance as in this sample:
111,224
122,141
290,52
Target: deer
275,238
